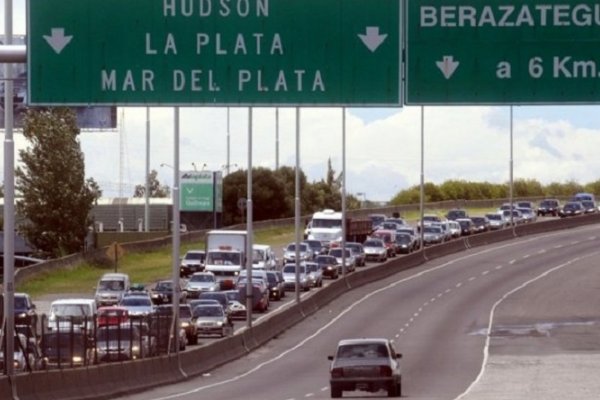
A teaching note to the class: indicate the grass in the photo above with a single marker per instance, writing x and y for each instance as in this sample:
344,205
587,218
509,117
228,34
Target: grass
141,267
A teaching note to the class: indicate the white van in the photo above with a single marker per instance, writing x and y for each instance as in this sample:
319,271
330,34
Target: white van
77,312
263,257
110,289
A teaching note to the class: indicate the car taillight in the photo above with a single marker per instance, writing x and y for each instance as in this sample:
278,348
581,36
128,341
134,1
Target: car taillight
385,371
337,372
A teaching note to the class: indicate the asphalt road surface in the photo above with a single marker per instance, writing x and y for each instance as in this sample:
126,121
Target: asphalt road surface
515,320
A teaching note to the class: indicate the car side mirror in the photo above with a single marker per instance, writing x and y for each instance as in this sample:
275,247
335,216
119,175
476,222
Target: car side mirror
398,355
330,358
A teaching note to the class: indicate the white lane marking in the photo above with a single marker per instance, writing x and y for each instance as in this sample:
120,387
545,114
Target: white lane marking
498,266
542,251
526,256
324,388
411,319
471,279
484,273
447,290
486,347
309,395
425,304
432,300
350,308
416,314
420,309
575,242
511,262
459,284
397,334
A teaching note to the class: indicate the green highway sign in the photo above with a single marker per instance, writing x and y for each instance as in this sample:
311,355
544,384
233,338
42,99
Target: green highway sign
502,52
201,191
214,52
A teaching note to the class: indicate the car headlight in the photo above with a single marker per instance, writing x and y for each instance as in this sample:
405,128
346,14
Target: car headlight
77,359
22,315
185,324
220,323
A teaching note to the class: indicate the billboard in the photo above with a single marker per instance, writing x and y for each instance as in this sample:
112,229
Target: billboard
89,118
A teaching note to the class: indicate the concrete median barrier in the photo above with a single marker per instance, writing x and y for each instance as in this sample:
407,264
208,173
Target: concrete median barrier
445,249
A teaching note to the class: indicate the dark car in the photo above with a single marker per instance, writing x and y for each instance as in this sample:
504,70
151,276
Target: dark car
405,243
162,292
316,246
589,207
548,207
365,364
466,226
160,329
456,213
276,285
572,209
25,310
193,261
67,348
187,323
329,265
482,224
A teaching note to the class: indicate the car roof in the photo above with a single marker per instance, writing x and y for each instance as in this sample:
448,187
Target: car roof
74,301
344,342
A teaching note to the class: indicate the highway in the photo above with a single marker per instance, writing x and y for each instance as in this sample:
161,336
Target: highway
514,320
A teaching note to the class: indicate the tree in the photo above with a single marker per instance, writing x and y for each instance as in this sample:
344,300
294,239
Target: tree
56,199
156,189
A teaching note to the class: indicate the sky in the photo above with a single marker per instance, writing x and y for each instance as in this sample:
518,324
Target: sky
383,146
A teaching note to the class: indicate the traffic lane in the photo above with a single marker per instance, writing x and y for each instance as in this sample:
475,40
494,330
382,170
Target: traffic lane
294,364
545,339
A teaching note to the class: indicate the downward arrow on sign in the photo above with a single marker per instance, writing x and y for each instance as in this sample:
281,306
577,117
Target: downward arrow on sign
372,39
57,40
447,66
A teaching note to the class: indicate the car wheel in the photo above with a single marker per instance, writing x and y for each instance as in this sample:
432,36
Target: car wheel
393,390
336,392
194,339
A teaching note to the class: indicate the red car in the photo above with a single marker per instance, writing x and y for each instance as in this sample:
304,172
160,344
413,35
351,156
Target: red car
113,315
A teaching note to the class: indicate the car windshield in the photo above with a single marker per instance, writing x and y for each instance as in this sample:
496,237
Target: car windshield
233,296
357,248
326,223
288,269
208,311
202,278
325,260
195,256
312,267
20,302
136,301
292,247
433,229
165,285
223,258
185,312
374,243
496,217
258,255
111,285
403,239
338,252
363,350
76,310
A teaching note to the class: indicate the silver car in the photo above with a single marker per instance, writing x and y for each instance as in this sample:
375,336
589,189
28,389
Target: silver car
210,320
365,364
201,282
289,277
305,253
315,273
375,250
349,255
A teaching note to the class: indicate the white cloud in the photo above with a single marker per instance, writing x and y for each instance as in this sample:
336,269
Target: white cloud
382,156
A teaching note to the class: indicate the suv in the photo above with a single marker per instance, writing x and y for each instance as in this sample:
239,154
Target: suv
192,261
110,289
548,207
365,364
